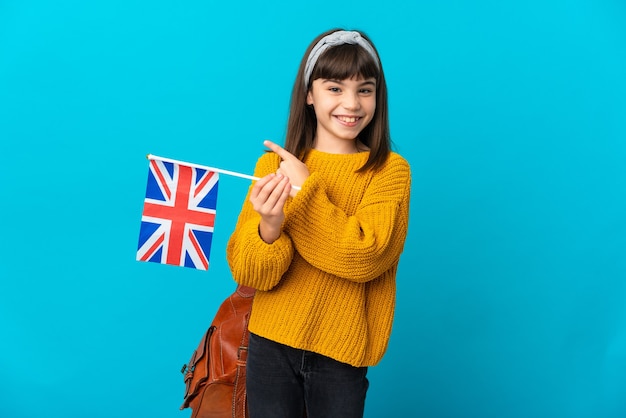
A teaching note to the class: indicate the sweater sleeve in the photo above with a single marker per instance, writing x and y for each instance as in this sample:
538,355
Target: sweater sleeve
252,261
360,247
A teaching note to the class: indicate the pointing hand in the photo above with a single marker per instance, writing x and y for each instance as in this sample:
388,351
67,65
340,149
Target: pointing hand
290,166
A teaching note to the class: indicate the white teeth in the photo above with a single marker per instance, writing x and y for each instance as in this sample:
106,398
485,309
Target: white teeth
348,119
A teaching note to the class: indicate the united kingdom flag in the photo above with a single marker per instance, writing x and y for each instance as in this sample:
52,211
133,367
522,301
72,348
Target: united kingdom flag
178,215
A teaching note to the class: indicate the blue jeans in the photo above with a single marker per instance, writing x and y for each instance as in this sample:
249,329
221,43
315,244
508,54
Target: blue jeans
285,382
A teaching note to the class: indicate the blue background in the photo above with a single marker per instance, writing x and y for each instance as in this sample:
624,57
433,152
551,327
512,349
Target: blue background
512,286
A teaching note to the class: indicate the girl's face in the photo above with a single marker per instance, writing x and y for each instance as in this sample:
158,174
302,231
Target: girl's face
343,108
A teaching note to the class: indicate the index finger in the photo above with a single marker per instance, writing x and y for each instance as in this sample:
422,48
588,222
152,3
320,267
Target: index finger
282,153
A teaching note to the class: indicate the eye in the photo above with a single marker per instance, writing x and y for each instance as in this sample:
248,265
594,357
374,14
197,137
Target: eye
366,91
334,89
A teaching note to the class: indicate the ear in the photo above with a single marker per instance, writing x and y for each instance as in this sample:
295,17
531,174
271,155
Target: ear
309,98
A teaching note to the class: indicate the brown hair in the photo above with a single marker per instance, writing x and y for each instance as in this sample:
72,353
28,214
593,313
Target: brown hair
339,62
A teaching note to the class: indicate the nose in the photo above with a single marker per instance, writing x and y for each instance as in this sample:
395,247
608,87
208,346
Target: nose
351,101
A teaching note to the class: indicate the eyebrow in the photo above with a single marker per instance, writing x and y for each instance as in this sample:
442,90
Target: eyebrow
369,81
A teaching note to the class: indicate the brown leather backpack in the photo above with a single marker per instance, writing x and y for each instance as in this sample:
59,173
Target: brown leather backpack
215,377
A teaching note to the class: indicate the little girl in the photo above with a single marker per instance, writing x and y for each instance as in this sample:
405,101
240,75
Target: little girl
320,236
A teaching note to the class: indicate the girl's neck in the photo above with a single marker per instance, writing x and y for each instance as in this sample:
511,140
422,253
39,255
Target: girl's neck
340,147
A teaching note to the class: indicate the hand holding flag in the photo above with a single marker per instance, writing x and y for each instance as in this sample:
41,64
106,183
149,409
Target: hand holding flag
179,212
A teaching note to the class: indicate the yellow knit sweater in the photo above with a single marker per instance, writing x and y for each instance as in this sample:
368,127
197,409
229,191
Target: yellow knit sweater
327,285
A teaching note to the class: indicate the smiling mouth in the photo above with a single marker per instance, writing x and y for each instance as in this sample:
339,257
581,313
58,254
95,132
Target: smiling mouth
348,119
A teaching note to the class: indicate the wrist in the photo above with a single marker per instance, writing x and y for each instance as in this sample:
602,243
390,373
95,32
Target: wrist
268,233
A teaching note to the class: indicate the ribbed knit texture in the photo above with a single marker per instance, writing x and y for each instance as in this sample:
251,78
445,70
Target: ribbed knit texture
327,285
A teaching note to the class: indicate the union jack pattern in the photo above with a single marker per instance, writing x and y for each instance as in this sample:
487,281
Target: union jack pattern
178,215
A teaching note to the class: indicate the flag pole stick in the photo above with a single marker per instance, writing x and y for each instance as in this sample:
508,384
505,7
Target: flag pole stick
204,167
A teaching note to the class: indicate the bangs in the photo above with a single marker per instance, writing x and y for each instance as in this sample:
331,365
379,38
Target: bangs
345,61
